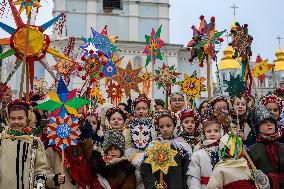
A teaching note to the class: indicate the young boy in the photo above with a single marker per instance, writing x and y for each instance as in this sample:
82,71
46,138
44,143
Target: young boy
176,177
267,154
204,159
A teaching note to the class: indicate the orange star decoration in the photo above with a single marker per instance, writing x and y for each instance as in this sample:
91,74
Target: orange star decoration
161,157
261,68
128,79
97,95
114,92
147,78
192,86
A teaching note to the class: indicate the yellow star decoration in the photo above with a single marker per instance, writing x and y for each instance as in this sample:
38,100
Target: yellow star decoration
161,157
97,95
192,86
261,68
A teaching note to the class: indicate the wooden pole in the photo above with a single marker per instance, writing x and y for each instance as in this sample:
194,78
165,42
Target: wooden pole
153,73
62,166
161,179
253,82
25,59
208,78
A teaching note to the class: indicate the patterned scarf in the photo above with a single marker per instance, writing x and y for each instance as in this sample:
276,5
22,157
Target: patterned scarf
272,147
212,148
191,139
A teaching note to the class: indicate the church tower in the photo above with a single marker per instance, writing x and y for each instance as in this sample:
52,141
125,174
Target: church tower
279,65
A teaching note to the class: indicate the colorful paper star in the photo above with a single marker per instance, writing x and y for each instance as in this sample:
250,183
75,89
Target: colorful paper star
166,76
27,5
261,68
63,131
38,43
97,95
161,157
153,46
192,86
5,93
62,101
236,86
114,92
203,41
128,79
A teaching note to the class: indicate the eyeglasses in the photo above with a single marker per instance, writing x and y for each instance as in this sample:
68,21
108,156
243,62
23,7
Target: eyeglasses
177,100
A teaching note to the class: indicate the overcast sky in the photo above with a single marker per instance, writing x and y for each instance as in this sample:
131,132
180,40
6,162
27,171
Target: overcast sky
265,19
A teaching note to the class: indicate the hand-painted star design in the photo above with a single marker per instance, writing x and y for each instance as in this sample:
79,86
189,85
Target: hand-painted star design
28,5
63,131
62,101
236,86
128,79
161,157
192,86
38,43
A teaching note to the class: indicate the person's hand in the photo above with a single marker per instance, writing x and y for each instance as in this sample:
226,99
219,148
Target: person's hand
61,178
240,133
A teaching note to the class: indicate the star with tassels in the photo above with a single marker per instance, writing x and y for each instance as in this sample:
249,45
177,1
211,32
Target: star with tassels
27,5
153,46
161,157
166,76
261,68
38,43
128,79
114,92
62,101
236,86
192,86
63,131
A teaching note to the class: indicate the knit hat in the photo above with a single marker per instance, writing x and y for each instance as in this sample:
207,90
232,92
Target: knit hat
114,138
272,99
258,115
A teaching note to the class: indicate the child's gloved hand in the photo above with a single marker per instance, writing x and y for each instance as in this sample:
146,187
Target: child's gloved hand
262,180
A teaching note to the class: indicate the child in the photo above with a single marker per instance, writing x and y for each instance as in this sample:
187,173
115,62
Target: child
177,101
142,106
274,104
204,159
22,158
190,123
233,172
203,108
116,118
267,154
176,177
113,166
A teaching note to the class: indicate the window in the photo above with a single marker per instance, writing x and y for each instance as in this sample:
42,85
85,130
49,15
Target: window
112,4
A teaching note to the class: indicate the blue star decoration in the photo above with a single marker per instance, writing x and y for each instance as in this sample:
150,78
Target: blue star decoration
236,86
98,44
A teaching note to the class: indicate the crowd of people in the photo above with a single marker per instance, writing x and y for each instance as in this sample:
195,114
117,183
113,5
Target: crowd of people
222,143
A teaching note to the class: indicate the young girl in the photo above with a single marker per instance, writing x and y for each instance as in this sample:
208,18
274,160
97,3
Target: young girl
119,172
22,158
233,170
142,106
177,101
204,159
116,118
189,119
202,109
176,177
267,154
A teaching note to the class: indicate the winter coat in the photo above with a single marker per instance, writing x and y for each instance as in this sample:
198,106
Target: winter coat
119,172
230,171
15,160
200,169
262,162
176,177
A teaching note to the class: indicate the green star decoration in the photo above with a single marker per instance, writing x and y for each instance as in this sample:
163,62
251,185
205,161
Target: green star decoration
236,86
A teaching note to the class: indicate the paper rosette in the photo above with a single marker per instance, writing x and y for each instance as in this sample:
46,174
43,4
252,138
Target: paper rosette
166,76
63,131
161,157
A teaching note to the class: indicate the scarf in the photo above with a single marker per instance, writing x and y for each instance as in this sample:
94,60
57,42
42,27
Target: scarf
272,147
191,139
212,148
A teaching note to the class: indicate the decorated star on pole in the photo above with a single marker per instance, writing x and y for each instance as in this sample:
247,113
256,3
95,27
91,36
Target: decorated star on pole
62,101
153,46
38,43
128,79
27,5
192,86
204,40
63,131
166,76
161,157
236,86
